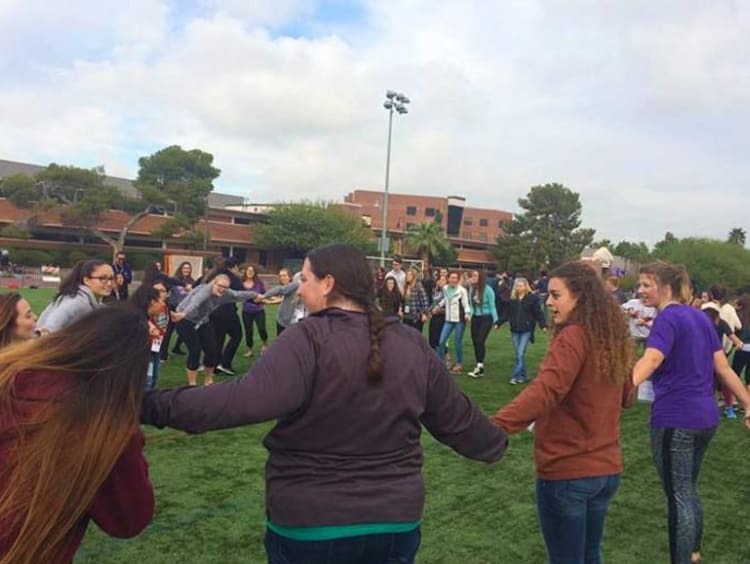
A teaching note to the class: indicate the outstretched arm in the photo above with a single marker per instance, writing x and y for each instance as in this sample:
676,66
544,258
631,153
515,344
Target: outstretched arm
276,386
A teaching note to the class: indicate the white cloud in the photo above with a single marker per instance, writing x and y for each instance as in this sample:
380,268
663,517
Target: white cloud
631,104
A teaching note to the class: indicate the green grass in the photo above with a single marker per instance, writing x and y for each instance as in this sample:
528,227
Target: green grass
210,490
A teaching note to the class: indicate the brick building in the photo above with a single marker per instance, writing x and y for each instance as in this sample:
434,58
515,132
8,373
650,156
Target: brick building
472,231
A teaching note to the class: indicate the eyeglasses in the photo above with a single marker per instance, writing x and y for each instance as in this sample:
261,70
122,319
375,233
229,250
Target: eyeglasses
104,279
221,286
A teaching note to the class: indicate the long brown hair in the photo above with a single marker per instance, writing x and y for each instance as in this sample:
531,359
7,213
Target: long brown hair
601,318
354,281
479,287
63,452
73,281
8,316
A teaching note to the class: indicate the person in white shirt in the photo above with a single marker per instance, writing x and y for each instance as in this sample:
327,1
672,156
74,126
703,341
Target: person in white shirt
640,319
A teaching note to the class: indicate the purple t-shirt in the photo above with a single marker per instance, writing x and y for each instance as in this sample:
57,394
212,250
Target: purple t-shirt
683,383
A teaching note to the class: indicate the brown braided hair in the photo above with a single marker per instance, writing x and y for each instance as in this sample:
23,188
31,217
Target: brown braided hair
354,281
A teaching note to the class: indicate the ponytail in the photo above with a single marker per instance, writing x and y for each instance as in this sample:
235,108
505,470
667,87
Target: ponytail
673,275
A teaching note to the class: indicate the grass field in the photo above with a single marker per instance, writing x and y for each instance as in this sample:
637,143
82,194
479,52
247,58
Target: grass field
210,490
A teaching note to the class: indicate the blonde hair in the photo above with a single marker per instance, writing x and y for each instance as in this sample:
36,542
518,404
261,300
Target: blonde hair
514,291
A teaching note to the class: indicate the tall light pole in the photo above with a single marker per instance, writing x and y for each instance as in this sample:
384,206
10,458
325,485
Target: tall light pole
393,101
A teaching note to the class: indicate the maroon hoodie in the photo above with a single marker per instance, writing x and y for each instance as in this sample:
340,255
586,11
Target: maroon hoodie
124,504
343,451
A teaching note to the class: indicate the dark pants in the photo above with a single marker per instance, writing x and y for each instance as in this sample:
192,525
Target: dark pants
259,318
480,330
416,323
740,362
279,328
571,513
227,325
388,548
202,339
678,454
436,327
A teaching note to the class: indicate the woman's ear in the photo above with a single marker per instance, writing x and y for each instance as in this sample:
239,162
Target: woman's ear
329,283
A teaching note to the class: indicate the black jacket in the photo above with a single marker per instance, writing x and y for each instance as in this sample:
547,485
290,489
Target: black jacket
523,314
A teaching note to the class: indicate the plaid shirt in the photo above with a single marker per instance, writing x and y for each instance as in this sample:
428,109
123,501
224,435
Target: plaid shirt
415,303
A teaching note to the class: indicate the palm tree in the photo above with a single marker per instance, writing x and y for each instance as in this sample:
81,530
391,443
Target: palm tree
428,240
738,236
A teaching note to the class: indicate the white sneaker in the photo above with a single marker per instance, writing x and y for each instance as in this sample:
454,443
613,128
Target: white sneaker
477,372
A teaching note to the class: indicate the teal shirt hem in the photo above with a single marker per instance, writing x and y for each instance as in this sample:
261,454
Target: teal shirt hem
341,531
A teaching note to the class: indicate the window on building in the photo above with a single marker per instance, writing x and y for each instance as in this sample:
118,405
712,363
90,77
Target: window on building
483,236
466,235
429,212
367,220
483,223
500,223
410,225
241,220
411,210
468,221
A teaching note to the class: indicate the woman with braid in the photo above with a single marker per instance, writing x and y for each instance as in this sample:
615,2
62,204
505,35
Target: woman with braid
350,392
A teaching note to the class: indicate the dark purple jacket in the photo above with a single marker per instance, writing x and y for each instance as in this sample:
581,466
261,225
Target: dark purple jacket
343,451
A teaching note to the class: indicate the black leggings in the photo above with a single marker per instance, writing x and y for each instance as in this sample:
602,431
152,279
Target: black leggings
202,339
227,325
436,327
740,362
259,318
480,330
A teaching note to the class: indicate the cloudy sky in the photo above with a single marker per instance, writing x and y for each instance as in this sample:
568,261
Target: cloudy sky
642,107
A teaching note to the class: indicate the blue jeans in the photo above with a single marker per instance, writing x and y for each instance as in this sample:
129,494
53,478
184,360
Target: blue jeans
152,372
678,454
571,513
388,548
520,343
448,328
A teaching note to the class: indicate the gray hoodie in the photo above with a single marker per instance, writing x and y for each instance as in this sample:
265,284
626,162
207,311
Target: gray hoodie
199,303
66,309
285,315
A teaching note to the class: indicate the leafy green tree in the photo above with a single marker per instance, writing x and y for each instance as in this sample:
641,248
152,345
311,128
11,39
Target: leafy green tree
180,180
548,231
299,227
428,240
602,243
737,236
634,251
171,177
20,189
514,250
709,261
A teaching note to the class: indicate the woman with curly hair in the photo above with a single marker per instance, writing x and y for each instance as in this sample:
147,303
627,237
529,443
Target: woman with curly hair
575,404
683,353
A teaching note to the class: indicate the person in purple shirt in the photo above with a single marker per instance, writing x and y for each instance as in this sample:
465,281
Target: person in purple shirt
682,353
253,311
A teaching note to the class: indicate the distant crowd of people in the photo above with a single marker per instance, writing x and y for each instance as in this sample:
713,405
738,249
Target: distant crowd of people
351,383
